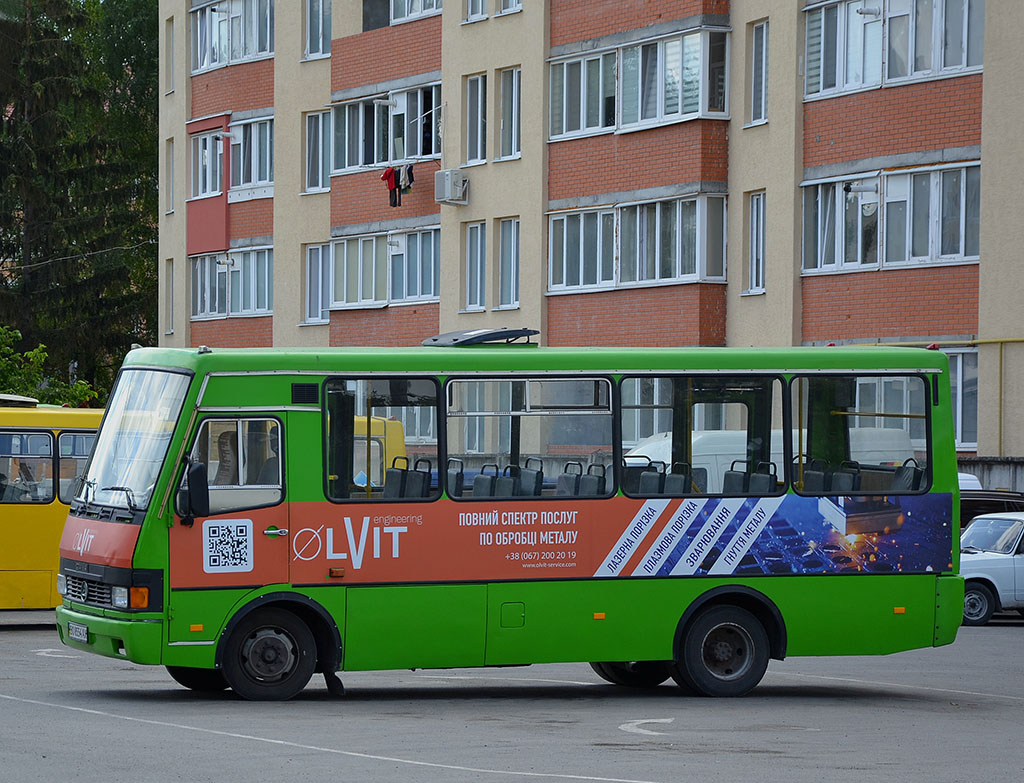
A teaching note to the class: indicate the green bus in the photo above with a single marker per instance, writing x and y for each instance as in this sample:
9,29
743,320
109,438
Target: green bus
252,516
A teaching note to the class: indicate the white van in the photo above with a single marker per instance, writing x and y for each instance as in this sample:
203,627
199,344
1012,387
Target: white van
714,451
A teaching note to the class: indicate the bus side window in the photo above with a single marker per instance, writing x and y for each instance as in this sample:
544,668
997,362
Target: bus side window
243,462
26,467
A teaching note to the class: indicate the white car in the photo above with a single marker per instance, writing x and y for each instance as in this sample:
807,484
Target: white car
992,565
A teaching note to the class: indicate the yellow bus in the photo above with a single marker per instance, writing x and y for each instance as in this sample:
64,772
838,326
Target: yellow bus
43,450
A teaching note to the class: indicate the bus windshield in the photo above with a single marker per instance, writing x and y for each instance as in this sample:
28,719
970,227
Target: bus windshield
134,438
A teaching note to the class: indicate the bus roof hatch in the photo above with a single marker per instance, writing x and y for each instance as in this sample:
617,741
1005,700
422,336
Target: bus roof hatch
479,336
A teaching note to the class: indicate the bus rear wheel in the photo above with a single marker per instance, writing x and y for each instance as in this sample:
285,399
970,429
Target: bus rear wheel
633,674
723,652
269,656
202,680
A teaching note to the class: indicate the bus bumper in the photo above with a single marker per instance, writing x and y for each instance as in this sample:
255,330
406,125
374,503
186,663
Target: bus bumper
134,640
949,608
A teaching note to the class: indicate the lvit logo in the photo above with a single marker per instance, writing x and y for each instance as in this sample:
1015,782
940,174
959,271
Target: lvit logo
83,541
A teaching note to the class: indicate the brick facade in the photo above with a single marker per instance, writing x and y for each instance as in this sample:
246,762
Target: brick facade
580,20
916,117
663,316
242,87
386,53
891,303
362,197
247,332
389,326
251,218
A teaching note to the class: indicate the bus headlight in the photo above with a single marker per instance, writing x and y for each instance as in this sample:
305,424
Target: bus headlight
119,597
62,584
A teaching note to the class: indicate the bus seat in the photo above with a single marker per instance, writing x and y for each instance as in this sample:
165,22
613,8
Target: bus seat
846,479
592,483
568,482
815,476
631,470
679,481
395,478
456,478
269,472
227,459
507,484
531,480
735,482
483,483
907,477
763,481
417,481
652,481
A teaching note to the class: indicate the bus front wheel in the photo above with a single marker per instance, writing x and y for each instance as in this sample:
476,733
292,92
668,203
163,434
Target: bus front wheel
202,680
723,652
633,674
270,656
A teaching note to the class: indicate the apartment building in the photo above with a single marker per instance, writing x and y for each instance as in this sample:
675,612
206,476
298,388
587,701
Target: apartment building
695,172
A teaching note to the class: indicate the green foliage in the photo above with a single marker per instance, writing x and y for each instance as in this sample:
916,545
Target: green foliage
78,180
24,374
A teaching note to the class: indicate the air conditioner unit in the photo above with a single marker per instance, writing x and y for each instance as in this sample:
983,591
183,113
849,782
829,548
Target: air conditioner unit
450,187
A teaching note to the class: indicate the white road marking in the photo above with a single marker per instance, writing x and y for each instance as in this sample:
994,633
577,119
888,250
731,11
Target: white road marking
317,748
50,652
634,726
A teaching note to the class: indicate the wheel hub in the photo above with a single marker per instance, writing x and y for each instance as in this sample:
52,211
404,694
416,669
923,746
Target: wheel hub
726,651
269,654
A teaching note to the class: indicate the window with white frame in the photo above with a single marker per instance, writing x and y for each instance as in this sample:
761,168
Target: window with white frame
231,31
360,271
318,283
963,378
673,78
674,240
759,72
508,6
508,262
403,126
476,118
841,225
755,268
476,9
583,95
252,154
843,46
169,176
476,266
933,215
318,28
239,283
207,164
933,36
415,265
404,10
511,112
318,151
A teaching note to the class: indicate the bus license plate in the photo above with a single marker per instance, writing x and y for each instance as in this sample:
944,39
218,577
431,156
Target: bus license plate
78,632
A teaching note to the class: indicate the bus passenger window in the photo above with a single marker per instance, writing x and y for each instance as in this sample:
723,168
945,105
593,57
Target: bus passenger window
686,435
860,435
243,462
382,439
26,467
530,437
74,449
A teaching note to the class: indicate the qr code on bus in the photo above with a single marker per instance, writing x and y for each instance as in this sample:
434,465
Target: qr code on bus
227,546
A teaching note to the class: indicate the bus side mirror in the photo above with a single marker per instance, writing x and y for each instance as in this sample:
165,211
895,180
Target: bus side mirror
194,499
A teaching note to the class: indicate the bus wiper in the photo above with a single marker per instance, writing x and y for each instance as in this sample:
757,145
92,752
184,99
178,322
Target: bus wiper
127,493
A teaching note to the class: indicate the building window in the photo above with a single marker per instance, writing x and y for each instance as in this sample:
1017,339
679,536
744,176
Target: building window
476,119
318,28
930,36
843,47
755,274
169,295
759,73
402,126
169,176
318,151
360,271
676,240
841,224
963,376
933,216
318,283
415,266
667,80
583,95
476,266
475,10
508,263
169,54
511,113
231,31
508,6
207,165
404,10
252,154
240,283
